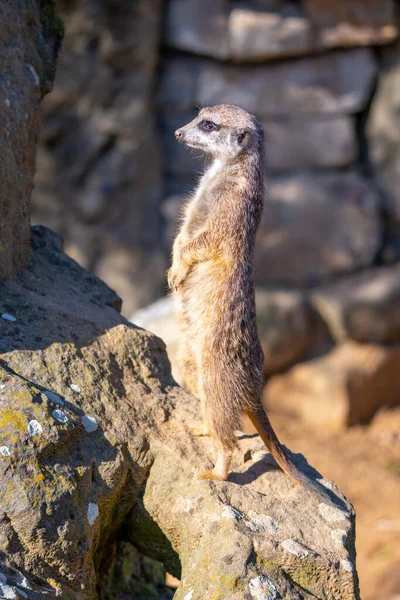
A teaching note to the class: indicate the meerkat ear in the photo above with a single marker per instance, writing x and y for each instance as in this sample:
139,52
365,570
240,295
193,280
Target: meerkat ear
243,138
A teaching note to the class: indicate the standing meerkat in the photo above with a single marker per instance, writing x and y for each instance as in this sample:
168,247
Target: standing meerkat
212,279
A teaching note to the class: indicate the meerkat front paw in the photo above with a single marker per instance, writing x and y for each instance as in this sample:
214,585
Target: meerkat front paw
212,476
176,278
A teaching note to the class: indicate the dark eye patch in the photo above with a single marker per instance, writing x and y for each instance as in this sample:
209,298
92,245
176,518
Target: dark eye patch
208,126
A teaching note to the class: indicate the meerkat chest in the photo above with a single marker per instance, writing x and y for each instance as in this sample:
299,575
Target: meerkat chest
204,197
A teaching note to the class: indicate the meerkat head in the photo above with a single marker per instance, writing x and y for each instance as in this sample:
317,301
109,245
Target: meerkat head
224,131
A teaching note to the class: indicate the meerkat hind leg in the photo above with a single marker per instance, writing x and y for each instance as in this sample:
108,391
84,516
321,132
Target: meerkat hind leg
221,470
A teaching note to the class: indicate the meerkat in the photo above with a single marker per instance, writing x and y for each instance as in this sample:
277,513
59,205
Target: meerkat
211,278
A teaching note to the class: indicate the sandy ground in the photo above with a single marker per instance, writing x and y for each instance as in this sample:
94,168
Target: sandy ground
365,463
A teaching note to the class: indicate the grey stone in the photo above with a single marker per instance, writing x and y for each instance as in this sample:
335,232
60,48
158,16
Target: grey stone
278,31
383,133
336,83
310,142
314,226
28,50
341,24
198,26
254,31
99,167
364,306
285,326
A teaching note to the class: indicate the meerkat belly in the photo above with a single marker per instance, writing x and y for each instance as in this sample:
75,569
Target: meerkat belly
202,293
216,305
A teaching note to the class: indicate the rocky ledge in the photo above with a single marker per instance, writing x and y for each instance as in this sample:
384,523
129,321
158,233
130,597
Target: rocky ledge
94,449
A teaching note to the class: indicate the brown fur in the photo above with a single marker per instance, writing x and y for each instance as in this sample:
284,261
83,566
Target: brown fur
212,277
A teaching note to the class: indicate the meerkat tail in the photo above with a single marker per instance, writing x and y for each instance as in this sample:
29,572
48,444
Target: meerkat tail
264,428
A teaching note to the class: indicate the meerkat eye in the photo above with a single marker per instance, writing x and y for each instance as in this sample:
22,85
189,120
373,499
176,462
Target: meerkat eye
208,126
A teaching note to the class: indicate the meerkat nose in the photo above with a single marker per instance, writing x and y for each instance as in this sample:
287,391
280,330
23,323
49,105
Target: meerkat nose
179,134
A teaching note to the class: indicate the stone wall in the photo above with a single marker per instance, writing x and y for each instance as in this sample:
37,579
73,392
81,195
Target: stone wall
99,179
111,176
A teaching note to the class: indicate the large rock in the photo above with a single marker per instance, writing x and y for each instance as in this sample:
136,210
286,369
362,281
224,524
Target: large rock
99,170
364,306
352,23
95,448
240,32
344,387
251,31
288,328
329,84
198,26
310,142
316,225
30,35
383,132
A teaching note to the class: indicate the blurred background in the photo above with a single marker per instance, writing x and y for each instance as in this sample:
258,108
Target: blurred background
323,76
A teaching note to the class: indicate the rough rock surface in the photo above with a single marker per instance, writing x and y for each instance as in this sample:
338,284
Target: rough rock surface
99,176
159,318
345,387
30,35
286,326
364,307
317,225
357,23
383,129
251,31
329,84
94,446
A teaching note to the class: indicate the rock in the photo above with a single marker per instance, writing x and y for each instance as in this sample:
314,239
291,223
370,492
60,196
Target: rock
69,494
240,33
344,387
364,307
99,165
28,50
159,318
359,23
316,225
383,135
285,326
259,35
329,84
250,31
302,143
198,26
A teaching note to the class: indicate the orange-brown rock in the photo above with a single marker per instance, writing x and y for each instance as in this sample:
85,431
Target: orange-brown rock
344,387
